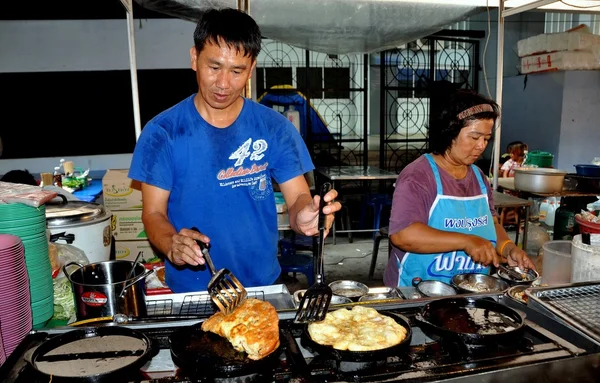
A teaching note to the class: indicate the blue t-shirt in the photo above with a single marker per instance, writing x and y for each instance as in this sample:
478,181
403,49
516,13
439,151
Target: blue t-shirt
220,182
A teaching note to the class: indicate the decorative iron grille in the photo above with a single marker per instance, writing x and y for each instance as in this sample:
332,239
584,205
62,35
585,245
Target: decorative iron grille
409,76
333,92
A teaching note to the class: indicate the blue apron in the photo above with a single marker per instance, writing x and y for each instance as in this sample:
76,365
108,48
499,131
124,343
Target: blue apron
469,215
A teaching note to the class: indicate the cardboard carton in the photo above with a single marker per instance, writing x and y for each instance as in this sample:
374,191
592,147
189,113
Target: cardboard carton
128,250
127,225
120,192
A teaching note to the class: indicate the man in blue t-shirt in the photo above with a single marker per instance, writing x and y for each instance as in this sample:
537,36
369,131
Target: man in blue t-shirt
208,161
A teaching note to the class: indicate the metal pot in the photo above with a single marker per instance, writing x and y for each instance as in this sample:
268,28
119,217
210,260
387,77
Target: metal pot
102,289
84,225
539,180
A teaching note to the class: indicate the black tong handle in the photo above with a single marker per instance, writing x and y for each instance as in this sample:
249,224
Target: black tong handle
325,188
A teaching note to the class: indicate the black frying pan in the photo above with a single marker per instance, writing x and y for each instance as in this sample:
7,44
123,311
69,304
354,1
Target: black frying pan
360,356
204,353
472,321
46,359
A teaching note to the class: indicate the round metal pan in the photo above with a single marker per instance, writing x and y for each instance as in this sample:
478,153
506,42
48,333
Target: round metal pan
360,356
203,353
472,321
127,360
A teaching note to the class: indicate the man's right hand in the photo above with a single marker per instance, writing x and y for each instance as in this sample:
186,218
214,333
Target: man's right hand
185,250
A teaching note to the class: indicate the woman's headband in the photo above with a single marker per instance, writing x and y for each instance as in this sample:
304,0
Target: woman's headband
475,110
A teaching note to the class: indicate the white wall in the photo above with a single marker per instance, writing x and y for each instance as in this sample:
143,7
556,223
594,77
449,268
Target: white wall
81,45
580,122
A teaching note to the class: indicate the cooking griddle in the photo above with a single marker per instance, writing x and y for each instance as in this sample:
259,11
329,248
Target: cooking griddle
202,353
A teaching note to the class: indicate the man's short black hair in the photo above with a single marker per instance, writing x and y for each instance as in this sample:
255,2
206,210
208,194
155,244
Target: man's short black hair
234,28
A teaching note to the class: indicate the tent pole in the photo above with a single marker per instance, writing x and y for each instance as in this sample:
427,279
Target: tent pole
499,80
133,67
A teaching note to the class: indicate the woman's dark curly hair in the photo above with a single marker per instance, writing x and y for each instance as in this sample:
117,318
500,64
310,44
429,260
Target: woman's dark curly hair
446,127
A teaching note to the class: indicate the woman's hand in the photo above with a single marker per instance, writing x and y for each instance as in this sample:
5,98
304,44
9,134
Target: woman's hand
481,250
185,250
517,257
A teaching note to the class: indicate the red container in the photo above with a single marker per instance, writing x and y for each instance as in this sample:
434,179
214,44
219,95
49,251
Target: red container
587,227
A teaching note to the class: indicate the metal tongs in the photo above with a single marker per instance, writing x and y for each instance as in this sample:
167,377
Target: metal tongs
513,273
315,301
224,288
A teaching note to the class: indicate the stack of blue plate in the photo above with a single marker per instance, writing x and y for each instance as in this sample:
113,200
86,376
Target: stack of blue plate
29,223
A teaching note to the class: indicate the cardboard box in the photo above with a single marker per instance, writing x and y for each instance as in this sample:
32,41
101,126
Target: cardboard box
127,225
119,191
128,250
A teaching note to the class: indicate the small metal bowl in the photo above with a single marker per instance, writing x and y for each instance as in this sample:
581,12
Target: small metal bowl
514,293
479,283
433,288
380,293
530,276
349,289
335,299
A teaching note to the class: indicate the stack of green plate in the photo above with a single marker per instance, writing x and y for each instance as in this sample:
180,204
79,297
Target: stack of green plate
29,223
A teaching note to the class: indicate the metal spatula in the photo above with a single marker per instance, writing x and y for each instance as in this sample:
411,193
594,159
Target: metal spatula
224,288
315,301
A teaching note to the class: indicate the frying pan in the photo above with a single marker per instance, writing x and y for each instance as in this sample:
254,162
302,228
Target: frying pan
360,356
43,358
472,321
204,353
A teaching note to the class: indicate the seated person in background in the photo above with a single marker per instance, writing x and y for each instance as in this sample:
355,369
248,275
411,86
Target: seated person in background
516,154
516,151
19,177
443,220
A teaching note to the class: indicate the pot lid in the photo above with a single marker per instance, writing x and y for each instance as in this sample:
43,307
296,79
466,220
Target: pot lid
74,212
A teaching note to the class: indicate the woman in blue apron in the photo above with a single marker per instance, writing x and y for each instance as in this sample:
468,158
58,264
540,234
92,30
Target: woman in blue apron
443,221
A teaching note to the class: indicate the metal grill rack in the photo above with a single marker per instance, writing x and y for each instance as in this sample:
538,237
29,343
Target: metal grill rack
159,307
577,304
196,304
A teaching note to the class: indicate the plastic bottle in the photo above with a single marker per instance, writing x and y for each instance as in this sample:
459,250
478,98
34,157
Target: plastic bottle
57,177
294,116
543,210
550,214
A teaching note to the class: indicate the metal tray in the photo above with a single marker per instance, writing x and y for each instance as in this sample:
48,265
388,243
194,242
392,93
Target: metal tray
577,305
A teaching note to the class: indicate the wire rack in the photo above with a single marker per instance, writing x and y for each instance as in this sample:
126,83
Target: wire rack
196,304
577,305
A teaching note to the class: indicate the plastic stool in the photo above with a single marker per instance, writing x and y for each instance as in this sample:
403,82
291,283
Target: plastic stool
377,202
298,263
382,234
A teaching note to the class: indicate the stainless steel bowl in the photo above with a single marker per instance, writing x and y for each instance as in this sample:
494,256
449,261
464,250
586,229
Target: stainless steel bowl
434,288
479,283
530,276
379,293
539,180
349,289
335,299
514,293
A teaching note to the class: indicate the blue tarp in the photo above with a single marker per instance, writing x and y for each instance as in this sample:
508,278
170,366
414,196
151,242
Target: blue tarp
288,97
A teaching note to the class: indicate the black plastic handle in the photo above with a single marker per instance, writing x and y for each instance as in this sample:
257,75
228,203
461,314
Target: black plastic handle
203,246
325,188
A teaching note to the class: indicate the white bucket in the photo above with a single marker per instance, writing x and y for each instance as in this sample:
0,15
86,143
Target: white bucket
585,265
556,264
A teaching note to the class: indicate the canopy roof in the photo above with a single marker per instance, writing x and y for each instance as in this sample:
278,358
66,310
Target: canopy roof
356,26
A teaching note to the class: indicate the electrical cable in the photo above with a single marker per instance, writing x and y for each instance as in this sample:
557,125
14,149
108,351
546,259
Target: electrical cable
487,40
579,6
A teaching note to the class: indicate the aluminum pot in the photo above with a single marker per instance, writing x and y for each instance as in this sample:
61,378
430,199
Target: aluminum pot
104,289
539,180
